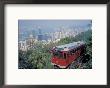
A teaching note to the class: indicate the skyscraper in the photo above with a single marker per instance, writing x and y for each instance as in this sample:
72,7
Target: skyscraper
40,36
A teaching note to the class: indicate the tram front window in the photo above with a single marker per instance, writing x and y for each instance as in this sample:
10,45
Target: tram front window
58,54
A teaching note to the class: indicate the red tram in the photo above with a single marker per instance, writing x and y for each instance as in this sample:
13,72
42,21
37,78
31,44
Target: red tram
64,55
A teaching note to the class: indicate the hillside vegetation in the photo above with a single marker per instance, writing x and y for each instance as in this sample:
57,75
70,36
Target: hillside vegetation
39,58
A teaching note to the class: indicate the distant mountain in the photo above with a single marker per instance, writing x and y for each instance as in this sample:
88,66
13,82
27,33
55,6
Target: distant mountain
84,35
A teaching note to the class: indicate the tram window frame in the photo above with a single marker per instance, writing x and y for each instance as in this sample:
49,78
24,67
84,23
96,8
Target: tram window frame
58,54
65,57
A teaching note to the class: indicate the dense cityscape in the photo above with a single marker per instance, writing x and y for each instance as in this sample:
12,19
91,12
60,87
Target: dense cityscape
28,41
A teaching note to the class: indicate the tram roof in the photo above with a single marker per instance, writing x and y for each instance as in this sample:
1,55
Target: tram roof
70,46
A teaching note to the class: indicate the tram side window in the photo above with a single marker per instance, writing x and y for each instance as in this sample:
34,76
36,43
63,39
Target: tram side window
77,49
82,50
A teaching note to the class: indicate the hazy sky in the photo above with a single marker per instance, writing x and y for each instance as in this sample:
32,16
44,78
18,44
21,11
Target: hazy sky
50,24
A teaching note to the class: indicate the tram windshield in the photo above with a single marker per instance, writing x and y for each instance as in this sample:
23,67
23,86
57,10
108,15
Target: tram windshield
58,54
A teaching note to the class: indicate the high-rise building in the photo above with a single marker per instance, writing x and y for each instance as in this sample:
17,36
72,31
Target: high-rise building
40,36
22,45
27,44
31,41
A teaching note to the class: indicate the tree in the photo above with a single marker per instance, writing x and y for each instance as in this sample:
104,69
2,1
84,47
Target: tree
40,58
23,60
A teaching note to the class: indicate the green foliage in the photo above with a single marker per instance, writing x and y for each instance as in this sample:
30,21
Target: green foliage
84,36
23,60
40,57
66,40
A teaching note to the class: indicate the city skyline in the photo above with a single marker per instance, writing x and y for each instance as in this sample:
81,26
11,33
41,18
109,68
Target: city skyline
51,25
